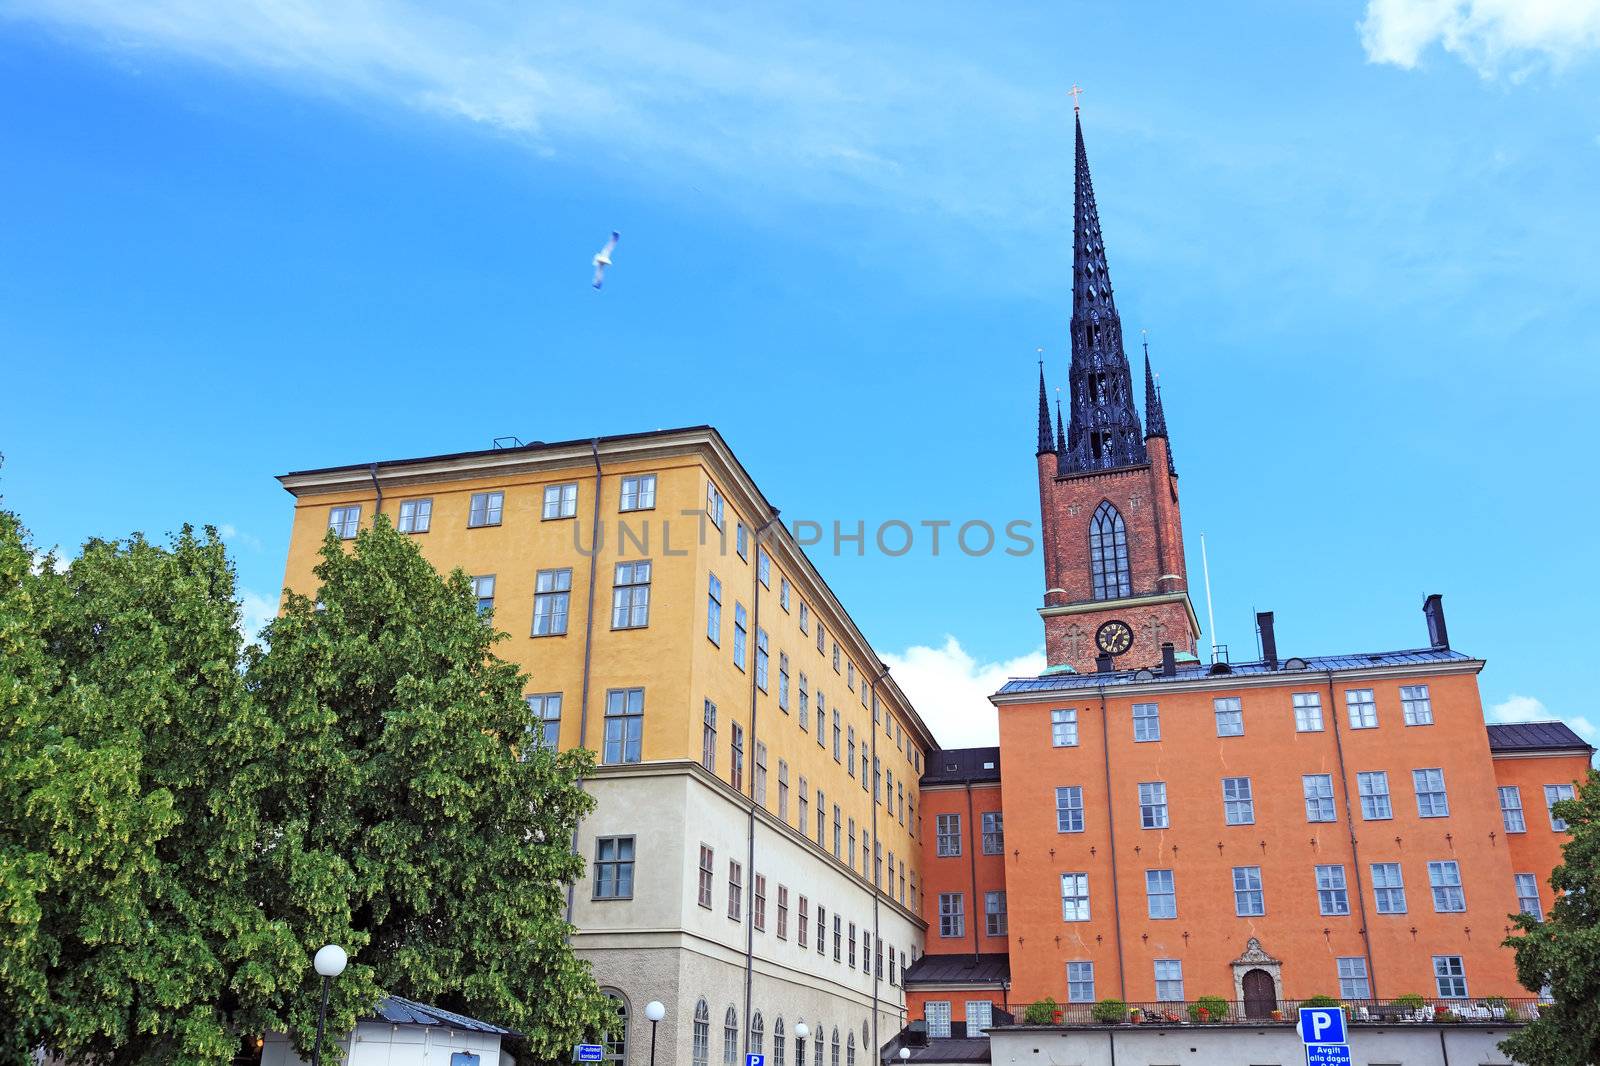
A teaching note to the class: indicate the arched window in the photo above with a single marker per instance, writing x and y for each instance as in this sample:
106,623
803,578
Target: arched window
758,1032
850,1051
866,1041
834,1056
777,1041
819,1041
1108,553
616,1041
700,1048
730,1038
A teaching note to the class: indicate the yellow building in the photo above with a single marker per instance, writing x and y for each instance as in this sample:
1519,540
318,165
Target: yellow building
753,856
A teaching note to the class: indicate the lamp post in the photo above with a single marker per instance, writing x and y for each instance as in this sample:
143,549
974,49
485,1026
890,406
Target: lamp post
800,1034
329,963
655,1011
905,1053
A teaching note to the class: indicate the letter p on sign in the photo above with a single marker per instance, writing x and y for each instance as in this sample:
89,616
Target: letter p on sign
1322,1025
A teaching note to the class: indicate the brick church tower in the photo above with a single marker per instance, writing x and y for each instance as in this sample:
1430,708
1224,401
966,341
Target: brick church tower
1116,588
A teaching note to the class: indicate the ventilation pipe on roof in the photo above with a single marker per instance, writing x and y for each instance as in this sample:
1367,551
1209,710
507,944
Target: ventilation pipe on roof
1269,639
1169,659
1102,664
1433,611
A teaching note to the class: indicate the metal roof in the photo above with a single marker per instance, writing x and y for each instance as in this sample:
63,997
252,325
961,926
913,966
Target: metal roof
1536,736
402,1011
987,968
1191,672
535,446
948,1049
957,766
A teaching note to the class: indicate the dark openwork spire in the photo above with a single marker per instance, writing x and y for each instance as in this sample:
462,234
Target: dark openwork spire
1047,443
1155,419
1061,434
1104,430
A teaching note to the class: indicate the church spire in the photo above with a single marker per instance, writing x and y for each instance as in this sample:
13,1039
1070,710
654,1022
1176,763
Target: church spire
1104,430
1155,419
1047,442
1061,434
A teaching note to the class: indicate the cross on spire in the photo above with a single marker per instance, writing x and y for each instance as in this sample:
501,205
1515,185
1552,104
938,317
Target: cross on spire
1075,92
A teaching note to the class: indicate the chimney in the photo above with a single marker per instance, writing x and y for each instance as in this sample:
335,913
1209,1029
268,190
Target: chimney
1169,659
1433,611
1102,664
1269,639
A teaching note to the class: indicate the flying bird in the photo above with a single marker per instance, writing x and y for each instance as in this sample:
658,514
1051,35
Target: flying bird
602,259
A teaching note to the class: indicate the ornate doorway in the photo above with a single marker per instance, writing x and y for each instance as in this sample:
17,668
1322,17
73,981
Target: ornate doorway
1260,994
1257,980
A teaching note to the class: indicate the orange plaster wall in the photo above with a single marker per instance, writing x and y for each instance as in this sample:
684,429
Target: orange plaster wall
1538,851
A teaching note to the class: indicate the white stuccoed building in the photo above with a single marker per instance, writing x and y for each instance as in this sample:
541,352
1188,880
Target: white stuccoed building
403,1032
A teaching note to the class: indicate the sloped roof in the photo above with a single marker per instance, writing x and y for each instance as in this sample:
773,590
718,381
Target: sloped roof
950,1049
402,1011
988,968
1190,672
1535,736
955,766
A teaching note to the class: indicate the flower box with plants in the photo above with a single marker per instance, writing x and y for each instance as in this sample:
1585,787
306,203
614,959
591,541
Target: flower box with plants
1109,1011
1208,1009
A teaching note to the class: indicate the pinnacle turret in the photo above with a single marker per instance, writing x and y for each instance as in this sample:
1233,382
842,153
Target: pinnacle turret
1047,442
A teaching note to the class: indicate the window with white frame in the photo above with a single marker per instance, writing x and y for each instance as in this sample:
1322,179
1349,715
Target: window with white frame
1080,982
1146,722
415,516
1075,897
1064,727
740,633
1388,888
803,691
1415,705
1353,982
783,681
1431,799
947,835
1238,804
1069,809
344,521
736,756
1362,708
560,501
1249,901
1161,894
708,738
1153,804
624,725
838,733
783,790
1308,712
1373,785
980,1016
707,873
484,509
546,708
1511,809
714,505
735,890
552,595
1318,790
1554,794
994,913
1528,896
763,568
1169,980
758,905
952,915
638,492
630,596
994,836
1230,716
714,610
937,1015
762,659
805,617
741,541
785,593
1332,895
1445,880
759,780
483,592
783,917
1450,976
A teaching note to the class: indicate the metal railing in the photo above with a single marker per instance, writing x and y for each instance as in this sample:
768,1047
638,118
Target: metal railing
1405,1010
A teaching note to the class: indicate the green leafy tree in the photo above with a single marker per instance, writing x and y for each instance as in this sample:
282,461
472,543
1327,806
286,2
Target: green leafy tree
1563,952
411,817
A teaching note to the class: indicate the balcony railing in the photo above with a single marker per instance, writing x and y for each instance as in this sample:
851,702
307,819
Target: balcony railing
1408,1010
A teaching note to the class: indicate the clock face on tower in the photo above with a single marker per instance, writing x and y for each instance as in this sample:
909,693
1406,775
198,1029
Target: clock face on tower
1114,637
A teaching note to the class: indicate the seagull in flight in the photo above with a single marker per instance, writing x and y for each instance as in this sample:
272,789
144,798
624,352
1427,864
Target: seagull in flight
602,259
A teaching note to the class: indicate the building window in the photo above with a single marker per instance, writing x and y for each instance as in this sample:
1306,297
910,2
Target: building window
1064,727
758,909
1075,897
735,890
821,638
783,681
850,846
708,738
803,690
1445,880
730,1038
1388,888
700,1043
714,611
822,819
850,751
552,592
838,937
994,836
484,509
1248,899
784,593
763,657
757,1033
1528,896
415,516
1332,897
947,835
1238,804
706,874
822,931
1450,975
740,632
1416,705
802,929
783,790
838,735
1374,788
1554,794
837,659
614,1045
804,820
1353,982
1080,982
1108,553
759,783
952,920
638,493
994,913
1318,789
1169,980
850,955
741,541
1307,712
546,710
1230,716
1069,809
630,596
1362,708
1431,799
805,617
1161,894
736,756
613,868
850,675
714,505
483,592
980,1016
778,1043
1153,804
1511,809
937,1014
560,501
344,521
1146,721
624,724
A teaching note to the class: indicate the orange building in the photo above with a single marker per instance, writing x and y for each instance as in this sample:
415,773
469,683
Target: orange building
1166,829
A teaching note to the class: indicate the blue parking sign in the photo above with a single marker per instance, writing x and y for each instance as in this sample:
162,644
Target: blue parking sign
588,1053
1328,1055
1322,1025
755,1060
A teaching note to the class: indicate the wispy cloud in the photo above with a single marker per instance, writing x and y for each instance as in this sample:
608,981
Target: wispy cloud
256,610
1493,36
1518,708
232,534
951,689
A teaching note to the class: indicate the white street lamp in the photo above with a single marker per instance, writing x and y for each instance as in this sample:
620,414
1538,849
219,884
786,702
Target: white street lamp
655,1010
329,962
800,1031
905,1053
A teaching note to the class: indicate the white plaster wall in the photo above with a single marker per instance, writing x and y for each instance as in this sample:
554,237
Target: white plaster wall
383,1044
1240,1046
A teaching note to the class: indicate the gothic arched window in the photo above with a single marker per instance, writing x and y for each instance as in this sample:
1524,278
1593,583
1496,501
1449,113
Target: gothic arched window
777,1042
730,1038
757,1033
1108,553
700,1049
616,1042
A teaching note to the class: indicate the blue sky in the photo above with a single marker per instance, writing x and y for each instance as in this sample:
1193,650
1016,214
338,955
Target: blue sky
247,238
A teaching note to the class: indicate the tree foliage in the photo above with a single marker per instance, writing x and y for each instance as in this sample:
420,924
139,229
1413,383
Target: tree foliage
1563,952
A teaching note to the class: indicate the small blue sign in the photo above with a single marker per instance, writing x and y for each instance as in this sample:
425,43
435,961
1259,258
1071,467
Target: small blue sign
1328,1055
1322,1025
755,1060
588,1053
463,1058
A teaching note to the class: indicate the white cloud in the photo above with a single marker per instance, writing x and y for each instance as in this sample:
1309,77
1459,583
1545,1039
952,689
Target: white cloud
256,611
951,689
1489,35
231,534
1518,708
40,558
